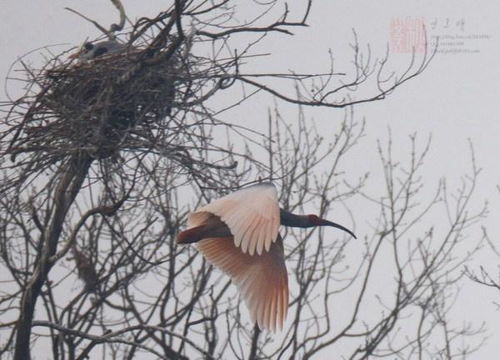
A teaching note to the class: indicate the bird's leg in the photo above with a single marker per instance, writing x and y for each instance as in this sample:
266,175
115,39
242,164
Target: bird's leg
191,235
214,227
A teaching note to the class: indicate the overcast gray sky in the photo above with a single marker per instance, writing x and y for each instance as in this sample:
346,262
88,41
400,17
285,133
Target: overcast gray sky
456,99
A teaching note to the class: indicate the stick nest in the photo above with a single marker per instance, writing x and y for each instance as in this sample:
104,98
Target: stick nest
94,106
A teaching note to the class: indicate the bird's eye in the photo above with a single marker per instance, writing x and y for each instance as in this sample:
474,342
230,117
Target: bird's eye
313,219
88,46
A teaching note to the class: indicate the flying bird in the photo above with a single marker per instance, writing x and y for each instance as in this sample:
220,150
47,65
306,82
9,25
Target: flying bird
239,234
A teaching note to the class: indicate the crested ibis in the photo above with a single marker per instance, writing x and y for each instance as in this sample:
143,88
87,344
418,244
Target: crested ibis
239,234
91,51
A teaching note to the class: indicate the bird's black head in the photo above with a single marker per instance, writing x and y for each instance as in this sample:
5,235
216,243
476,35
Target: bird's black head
317,221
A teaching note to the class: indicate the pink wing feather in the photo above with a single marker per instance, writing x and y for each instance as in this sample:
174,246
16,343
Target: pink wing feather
261,279
252,214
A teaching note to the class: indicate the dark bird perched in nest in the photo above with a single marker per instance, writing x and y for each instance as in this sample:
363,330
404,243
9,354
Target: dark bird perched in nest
91,51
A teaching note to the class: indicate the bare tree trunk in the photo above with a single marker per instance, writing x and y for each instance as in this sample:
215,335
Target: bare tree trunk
66,192
255,343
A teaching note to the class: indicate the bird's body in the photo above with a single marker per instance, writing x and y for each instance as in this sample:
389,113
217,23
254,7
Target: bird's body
239,233
90,51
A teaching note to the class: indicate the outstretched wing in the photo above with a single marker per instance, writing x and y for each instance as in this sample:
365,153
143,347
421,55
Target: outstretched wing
261,279
252,214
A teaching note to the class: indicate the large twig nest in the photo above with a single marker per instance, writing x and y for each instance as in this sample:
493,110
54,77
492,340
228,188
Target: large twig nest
90,105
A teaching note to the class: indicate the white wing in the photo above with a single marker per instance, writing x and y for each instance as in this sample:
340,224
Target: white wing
252,214
261,279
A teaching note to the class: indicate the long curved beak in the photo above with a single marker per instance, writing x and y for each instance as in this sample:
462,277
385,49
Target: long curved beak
335,225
